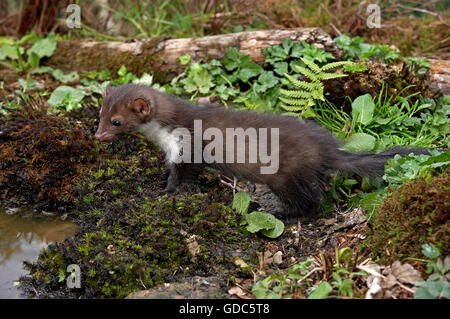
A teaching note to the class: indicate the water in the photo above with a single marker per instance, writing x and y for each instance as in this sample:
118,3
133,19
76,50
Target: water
22,237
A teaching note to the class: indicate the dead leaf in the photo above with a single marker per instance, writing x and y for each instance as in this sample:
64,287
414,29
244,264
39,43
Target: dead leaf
405,273
238,292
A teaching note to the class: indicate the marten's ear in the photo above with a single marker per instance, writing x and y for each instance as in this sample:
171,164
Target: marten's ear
140,106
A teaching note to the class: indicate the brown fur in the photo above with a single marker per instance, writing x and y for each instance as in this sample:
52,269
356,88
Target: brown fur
308,153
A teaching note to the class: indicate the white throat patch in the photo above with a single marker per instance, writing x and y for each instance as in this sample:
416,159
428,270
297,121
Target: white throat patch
169,143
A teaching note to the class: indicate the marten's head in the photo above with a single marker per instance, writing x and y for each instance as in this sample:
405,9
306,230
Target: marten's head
123,110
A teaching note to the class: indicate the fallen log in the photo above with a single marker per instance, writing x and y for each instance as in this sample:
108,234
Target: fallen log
439,76
159,56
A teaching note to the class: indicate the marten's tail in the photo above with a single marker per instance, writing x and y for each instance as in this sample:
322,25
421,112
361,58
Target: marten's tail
371,164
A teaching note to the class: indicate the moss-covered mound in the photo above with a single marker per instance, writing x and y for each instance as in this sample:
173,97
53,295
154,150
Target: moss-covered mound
393,79
137,245
133,236
42,156
415,214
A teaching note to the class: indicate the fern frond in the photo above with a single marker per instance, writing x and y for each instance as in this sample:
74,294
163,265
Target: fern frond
298,102
310,75
290,108
334,65
302,84
311,65
329,76
296,94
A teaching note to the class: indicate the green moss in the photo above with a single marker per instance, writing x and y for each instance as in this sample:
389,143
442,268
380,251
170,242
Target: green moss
415,214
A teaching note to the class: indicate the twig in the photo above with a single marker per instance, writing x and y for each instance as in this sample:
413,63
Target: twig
309,274
232,186
433,45
425,11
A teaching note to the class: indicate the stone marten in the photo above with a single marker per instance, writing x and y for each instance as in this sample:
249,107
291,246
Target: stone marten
294,158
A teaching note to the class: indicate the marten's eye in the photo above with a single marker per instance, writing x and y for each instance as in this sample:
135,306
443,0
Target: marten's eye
116,123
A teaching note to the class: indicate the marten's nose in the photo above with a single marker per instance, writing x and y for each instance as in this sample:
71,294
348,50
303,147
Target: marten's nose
103,136
99,136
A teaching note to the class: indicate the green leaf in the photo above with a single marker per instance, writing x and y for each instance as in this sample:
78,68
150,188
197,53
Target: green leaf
359,142
261,288
259,220
371,201
67,93
11,52
345,254
145,79
266,81
61,275
233,59
64,78
184,59
249,70
433,290
122,71
44,47
204,81
33,60
241,202
430,251
281,68
276,231
322,291
362,109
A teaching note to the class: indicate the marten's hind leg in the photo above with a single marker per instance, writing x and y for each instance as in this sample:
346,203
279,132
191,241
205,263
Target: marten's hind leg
181,173
301,196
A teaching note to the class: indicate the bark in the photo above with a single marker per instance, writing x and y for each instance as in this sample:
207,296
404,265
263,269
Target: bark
439,76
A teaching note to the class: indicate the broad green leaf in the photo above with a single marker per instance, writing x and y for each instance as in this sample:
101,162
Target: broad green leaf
64,78
362,109
359,142
281,68
11,51
248,71
371,201
65,92
33,60
276,231
322,291
145,79
433,290
44,47
241,202
266,81
259,220
430,251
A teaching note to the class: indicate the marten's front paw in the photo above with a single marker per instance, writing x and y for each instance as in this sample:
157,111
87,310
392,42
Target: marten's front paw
171,190
172,186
